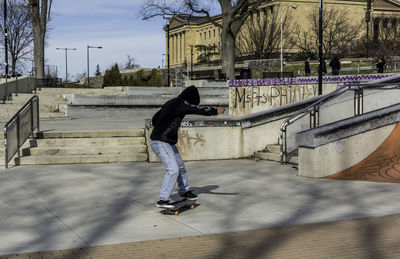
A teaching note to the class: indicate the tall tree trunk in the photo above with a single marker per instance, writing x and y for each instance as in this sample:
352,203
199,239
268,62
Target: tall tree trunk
227,40
228,55
39,22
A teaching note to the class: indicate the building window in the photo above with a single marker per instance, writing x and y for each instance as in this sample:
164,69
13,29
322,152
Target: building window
214,33
200,36
205,35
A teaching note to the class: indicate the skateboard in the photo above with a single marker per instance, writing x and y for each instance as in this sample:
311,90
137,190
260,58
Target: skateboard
179,206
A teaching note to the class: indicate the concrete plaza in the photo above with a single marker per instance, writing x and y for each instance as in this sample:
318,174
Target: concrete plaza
247,209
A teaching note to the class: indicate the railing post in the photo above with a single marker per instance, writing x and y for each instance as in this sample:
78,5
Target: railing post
281,145
5,148
32,126
18,136
16,86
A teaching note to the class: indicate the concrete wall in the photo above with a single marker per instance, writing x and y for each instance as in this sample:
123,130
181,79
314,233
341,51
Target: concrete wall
206,83
335,147
221,142
336,156
206,143
251,99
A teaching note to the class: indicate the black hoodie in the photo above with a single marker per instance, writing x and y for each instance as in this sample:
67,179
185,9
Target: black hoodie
168,119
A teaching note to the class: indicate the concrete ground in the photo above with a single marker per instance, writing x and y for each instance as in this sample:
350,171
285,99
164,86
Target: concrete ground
109,210
61,207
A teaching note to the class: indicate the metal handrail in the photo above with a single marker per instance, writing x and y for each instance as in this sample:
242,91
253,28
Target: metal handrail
313,109
31,104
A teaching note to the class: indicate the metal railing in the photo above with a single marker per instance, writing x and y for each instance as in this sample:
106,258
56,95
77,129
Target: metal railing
20,127
352,100
15,85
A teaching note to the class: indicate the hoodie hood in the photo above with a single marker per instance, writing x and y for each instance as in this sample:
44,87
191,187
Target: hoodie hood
191,95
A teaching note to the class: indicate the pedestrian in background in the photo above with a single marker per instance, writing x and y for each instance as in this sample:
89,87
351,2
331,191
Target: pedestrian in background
324,71
307,68
380,65
335,65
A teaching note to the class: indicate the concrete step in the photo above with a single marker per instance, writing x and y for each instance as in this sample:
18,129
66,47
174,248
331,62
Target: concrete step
19,101
67,142
81,147
89,134
269,156
60,91
13,108
42,116
84,150
275,157
276,149
78,159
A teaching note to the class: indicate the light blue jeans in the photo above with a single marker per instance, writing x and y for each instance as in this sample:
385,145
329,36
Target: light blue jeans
175,171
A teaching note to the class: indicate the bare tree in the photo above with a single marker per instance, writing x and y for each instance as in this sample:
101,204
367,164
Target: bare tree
19,29
233,14
260,36
386,42
40,16
339,32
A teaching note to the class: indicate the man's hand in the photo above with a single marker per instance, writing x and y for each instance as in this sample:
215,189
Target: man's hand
221,110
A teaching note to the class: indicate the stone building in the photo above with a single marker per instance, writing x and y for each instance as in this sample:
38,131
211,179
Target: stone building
186,32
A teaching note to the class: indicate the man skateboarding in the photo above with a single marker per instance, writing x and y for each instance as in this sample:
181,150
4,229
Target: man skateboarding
166,123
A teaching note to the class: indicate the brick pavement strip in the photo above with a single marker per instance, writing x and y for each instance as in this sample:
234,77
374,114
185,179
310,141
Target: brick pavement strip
377,237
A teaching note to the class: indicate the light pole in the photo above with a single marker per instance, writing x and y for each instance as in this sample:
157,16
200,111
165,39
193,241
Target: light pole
55,66
5,47
320,41
66,61
294,7
168,63
90,47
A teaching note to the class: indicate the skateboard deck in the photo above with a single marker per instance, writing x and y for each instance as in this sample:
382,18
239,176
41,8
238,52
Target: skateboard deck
179,206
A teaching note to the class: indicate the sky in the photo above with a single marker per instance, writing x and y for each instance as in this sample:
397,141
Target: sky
114,25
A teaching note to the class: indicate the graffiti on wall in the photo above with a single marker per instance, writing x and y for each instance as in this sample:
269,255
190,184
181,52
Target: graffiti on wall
188,141
249,99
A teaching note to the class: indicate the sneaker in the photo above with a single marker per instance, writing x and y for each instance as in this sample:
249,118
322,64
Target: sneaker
164,204
190,196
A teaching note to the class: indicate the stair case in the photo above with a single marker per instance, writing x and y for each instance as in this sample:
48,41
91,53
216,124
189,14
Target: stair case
50,148
272,153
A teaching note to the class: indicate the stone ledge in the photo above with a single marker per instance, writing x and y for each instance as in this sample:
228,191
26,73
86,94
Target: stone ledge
348,127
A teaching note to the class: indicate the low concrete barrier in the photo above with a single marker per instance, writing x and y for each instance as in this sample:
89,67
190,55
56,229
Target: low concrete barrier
209,138
135,101
335,147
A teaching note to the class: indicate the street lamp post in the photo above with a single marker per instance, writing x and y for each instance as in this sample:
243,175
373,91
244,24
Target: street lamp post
191,62
320,41
294,7
55,66
90,47
168,58
5,47
66,61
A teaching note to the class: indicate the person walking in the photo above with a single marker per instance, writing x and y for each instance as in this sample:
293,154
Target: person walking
380,65
164,137
335,65
307,68
324,71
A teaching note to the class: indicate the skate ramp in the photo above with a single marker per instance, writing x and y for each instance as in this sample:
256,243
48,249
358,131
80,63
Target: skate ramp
383,165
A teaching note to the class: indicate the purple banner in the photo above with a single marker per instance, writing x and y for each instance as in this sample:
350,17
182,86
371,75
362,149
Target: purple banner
307,80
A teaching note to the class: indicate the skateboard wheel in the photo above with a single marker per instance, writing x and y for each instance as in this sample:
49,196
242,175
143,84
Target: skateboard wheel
163,212
176,212
192,207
